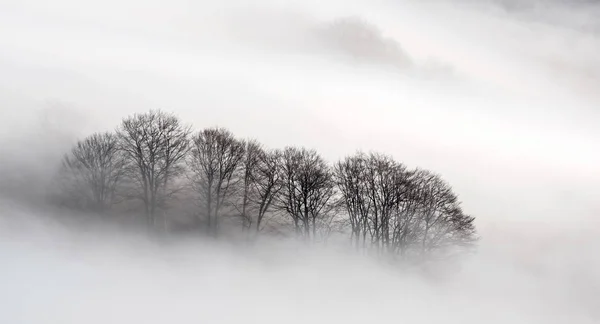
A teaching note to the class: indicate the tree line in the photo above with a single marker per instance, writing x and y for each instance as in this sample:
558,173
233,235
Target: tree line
153,162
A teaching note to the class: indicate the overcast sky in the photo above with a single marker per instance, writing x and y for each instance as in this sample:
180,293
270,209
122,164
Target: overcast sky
500,99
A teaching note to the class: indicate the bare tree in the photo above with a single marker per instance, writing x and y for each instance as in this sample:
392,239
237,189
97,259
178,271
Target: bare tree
92,171
441,221
389,208
215,157
404,226
308,189
400,210
155,143
350,175
383,175
267,184
249,169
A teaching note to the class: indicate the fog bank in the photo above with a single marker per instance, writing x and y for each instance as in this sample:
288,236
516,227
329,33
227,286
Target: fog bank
497,96
55,275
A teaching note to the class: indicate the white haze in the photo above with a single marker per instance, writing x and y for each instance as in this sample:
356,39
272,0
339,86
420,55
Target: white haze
499,97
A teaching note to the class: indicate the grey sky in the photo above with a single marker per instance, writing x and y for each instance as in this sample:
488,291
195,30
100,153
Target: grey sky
510,120
500,99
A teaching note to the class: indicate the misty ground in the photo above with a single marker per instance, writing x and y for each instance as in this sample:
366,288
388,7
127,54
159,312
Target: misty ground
498,96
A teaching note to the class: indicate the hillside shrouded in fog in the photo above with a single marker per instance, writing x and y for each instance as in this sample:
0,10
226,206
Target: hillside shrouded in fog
498,97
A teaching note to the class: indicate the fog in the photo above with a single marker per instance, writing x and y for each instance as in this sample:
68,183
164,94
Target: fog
497,96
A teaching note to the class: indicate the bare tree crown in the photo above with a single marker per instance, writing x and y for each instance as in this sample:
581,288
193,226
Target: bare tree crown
381,204
92,171
156,144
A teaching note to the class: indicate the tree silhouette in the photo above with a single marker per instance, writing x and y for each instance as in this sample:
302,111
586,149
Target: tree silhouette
215,157
92,171
155,144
